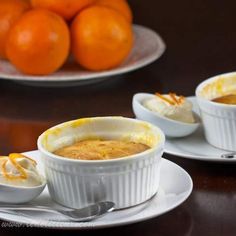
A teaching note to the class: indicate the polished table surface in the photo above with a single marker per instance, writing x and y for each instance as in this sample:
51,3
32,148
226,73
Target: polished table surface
201,42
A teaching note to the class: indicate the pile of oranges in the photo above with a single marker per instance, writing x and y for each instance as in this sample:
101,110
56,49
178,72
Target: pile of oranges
37,36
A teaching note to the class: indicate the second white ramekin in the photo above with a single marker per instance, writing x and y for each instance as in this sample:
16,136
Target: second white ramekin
126,181
219,120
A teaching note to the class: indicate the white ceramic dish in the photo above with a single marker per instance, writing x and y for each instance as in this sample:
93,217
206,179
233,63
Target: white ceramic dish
175,188
17,195
195,146
148,47
126,181
219,120
171,128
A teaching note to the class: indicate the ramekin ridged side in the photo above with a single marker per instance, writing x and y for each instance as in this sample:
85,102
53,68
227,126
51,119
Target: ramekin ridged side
125,181
219,120
220,125
125,184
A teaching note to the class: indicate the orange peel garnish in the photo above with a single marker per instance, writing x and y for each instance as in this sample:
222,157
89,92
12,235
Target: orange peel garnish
12,158
174,98
19,155
164,98
181,99
22,172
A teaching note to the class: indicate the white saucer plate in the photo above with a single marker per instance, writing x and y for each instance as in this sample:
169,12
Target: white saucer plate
195,145
175,187
148,47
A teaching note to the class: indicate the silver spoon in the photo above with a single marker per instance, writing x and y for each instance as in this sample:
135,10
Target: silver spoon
85,214
229,155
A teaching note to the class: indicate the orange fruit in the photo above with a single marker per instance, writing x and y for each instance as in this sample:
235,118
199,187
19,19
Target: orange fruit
10,12
66,8
39,42
120,5
101,38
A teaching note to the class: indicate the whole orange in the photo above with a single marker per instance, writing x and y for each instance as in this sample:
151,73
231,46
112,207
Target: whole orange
39,42
10,12
101,38
66,8
120,5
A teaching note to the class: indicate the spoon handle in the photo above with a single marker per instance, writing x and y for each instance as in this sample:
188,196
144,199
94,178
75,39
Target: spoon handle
22,212
77,215
29,208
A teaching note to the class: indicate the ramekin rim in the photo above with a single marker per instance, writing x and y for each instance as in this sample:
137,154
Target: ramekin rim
158,147
207,81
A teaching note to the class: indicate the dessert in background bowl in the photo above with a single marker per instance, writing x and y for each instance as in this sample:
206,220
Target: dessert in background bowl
20,180
216,99
118,160
171,106
172,113
227,99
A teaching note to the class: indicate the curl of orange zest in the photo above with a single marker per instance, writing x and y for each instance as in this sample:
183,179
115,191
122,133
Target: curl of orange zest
19,155
181,99
174,98
11,177
164,98
18,167
12,157
6,175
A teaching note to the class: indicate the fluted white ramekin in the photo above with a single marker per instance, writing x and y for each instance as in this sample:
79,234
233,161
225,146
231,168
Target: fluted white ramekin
126,181
219,120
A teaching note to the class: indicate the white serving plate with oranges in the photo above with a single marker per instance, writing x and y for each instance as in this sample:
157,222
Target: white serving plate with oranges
148,47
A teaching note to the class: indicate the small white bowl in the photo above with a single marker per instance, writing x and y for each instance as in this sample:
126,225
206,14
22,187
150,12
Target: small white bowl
126,181
171,128
16,195
219,120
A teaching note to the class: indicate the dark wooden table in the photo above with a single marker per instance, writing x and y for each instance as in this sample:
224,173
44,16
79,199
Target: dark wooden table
201,42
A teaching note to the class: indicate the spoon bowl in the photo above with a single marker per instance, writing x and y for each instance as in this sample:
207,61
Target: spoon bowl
171,128
16,194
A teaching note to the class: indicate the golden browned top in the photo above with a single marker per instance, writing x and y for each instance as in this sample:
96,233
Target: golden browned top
101,149
228,99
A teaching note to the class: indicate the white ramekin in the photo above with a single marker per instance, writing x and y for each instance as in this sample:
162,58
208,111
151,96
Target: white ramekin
219,120
126,181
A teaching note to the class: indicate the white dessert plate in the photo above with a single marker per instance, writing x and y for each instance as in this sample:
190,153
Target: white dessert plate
195,145
148,47
175,187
